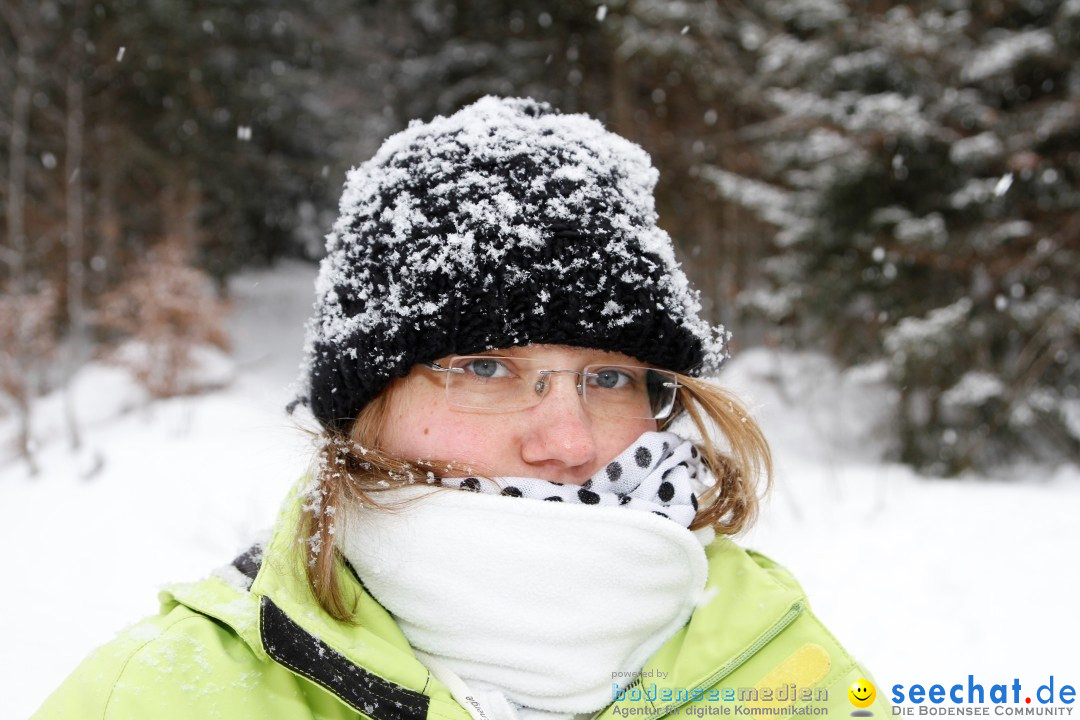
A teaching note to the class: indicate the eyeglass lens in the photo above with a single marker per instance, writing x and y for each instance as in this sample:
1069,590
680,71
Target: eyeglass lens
505,384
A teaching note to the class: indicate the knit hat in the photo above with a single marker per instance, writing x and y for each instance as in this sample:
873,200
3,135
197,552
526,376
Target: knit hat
507,223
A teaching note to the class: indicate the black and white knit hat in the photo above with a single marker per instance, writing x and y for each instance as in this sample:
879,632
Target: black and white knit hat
507,223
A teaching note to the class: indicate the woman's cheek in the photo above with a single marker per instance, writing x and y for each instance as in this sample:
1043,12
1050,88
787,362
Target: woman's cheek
464,440
610,444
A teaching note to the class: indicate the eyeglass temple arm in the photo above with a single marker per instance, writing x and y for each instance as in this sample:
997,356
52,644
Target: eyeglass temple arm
439,368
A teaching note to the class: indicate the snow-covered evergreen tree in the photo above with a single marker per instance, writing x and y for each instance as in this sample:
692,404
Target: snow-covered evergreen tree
920,168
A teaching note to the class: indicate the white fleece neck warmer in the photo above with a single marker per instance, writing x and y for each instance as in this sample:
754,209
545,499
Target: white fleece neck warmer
526,608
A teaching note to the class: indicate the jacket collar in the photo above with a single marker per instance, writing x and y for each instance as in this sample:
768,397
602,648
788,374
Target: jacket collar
371,667
369,664
263,595
748,601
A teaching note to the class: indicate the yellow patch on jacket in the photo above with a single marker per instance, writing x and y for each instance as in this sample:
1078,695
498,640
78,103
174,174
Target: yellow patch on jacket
792,679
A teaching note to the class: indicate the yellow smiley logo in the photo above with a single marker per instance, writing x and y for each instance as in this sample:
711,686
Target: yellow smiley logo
862,693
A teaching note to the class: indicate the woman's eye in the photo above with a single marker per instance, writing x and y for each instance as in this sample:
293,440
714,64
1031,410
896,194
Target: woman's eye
611,379
487,368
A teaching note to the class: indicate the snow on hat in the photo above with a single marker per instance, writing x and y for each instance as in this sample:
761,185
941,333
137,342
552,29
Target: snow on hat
507,223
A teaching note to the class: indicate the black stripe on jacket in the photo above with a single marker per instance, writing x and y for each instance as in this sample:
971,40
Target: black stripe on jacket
303,653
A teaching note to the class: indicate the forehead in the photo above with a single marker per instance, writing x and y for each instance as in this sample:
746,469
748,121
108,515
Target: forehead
563,353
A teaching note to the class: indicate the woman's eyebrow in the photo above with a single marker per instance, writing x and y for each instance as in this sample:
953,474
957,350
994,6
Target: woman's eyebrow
590,356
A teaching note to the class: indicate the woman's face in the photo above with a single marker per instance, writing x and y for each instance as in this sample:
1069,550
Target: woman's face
557,440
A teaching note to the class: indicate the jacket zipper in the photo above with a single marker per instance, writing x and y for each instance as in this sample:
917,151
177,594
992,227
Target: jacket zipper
730,666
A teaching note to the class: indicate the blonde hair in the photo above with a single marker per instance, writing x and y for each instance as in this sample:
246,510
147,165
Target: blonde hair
349,467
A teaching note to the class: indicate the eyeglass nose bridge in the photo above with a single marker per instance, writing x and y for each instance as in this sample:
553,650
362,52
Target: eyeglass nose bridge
541,385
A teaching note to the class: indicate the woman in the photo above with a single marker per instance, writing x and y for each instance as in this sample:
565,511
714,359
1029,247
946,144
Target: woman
501,523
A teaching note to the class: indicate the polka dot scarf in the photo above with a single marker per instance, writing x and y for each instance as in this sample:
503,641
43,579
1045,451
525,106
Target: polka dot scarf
654,474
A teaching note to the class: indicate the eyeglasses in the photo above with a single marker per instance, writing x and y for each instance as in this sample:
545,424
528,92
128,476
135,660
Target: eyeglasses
488,383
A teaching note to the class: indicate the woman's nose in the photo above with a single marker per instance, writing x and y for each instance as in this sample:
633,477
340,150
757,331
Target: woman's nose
560,434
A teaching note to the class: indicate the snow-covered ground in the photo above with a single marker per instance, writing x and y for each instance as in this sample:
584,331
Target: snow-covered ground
925,581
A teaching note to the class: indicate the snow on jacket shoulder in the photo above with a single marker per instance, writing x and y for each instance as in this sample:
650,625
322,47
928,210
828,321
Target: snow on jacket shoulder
250,642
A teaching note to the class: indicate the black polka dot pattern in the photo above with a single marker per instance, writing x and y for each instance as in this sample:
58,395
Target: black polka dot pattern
660,473
642,456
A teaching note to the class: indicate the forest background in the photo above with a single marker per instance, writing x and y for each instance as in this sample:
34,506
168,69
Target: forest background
894,185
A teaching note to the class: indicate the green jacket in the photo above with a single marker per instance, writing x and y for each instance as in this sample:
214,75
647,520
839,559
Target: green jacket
255,645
